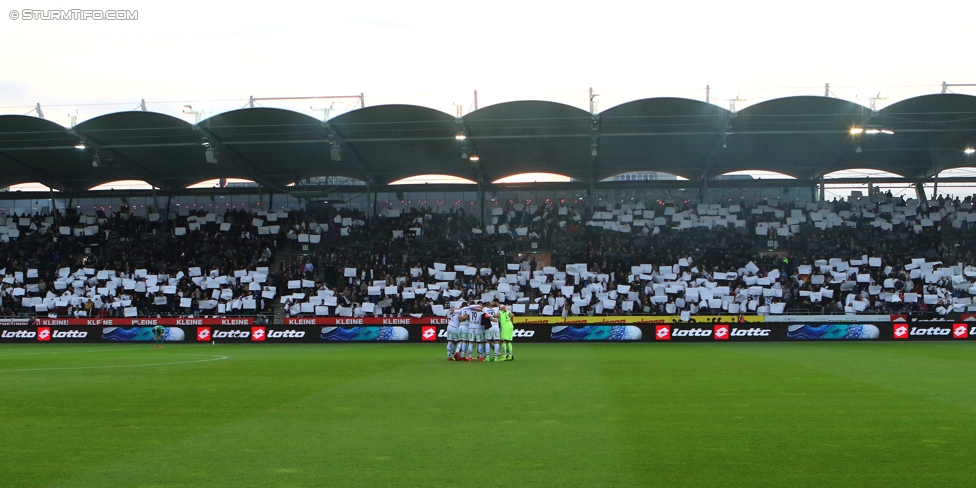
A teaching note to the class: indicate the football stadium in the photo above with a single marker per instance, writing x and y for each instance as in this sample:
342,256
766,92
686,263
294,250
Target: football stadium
326,291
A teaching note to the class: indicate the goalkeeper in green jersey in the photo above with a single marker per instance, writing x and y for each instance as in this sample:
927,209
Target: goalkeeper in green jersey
159,335
507,328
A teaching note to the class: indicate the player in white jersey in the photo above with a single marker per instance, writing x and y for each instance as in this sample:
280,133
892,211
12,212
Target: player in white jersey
453,325
493,332
462,338
476,332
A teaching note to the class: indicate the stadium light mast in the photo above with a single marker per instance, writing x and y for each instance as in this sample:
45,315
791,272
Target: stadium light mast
945,86
732,101
873,100
197,114
593,101
361,98
325,110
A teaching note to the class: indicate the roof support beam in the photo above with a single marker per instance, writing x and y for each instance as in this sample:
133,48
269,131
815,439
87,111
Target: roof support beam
725,130
335,140
468,150
594,142
137,170
245,165
41,177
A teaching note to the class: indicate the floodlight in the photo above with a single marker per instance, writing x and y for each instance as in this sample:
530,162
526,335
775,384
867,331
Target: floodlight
96,161
187,109
474,158
856,131
460,137
80,145
969,151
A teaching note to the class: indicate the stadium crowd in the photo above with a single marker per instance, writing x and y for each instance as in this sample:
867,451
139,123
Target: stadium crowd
108,265
878,254
898,256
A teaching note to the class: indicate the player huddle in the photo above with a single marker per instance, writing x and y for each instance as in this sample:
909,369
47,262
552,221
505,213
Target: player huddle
479,327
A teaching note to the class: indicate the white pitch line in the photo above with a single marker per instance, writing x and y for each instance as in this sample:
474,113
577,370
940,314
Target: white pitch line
216,358
107,349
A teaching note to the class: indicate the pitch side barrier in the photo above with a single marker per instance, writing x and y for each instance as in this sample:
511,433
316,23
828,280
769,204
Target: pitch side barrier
432,330
521,320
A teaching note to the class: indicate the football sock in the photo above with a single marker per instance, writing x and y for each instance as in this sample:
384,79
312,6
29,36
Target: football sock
450,348
496,349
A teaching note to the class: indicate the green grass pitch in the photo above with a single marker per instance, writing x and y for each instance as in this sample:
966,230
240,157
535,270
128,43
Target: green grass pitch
737,415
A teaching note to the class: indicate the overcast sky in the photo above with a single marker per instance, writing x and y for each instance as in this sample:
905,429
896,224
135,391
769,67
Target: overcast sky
437,53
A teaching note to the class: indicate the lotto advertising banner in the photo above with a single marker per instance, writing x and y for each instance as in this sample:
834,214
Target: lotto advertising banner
891,331
46,334
738,332
131,321
354,321
657,333
257,334
305,334
934,331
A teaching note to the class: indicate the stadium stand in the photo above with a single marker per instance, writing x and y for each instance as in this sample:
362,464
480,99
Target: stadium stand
115,265
877,254
873,255
697,253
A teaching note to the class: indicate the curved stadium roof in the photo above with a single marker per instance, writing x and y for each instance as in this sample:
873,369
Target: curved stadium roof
805,137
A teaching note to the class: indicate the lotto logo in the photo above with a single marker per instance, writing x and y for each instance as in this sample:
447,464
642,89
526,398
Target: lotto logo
203,333
960,331
428,333
721,332
901,332
662,332
44,333
258,333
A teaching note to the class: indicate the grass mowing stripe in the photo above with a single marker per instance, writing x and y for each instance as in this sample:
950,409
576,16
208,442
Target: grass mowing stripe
932,371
